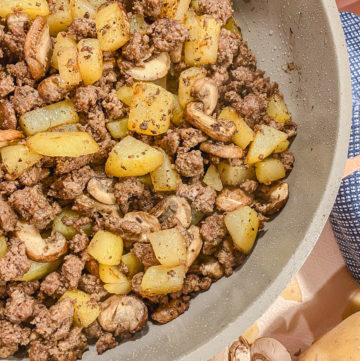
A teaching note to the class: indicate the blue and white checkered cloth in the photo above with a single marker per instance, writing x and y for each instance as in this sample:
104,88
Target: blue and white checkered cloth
345,216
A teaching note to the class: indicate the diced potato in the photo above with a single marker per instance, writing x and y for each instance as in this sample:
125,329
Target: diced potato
169,247
119,288
106,248
131,157
62,41
186,81
196,217
235,175
243,225
97,3
151,109
90,60
3,246
175,9
65,128
50,116
269,170
138,23
18,158
60,18
63,144
161,280
40,270
125,94
112,26
145,179
31,7
202,48
118,128
67,59
82,9
278,109
265,142
244,134
111,274
195,5
282,146
232,26
86,309
212,178
133,265
165,178
69,231
178,112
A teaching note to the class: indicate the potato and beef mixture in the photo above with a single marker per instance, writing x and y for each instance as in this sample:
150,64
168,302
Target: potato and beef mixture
141,152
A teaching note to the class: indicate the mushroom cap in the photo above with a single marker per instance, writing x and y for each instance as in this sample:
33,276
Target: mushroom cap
102,190
207,92
269,349
222,150
146,222
230,199
275,197
194,247
239,351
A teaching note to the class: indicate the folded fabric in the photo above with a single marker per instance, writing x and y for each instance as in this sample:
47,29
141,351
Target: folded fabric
345,216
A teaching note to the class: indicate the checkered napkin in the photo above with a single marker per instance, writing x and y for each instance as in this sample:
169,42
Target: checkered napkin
345,216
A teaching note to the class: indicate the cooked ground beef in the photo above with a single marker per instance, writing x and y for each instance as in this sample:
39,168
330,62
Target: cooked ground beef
212,231
151,8
25,98
82,28
7,115
8,217
126,190
169,312
71,270
220,9
190,164
138,48
145,254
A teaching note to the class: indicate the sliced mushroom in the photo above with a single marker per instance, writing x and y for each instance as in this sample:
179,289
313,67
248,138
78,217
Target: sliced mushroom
207,92
270,199
153,69
269,349
40,249
222,150
102,190
138,225
38,47
18,23
239,351
9,135
123,314
173,206
195,245
218,129
84,202
50,90
230,199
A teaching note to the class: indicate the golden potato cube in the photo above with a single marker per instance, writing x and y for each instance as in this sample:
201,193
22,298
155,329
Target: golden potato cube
212,178
18,158
264,143
63,144
112,26
3,246
82,9
278,109
86,310
282,146
118,128
269,170
243,225
106,248
169,247
122,288
232,26
133,265
202,48
244,134
131,157
137,23
151,109
67,59
161,280
40,270
60,18
145,179
97,3
31,7
125,94
90,60
187,79
111,274
235,175
62,41
178,112
50,116
175,9
165,178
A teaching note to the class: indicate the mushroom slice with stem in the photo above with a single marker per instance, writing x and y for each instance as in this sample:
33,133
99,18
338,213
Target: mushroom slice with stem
153,69
207,92
38,47
218,129
121,313
239,351
230,199
41,249
222,150
102,190
270,199
269,349
173,206
86,203
138,225
194,247
9,135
